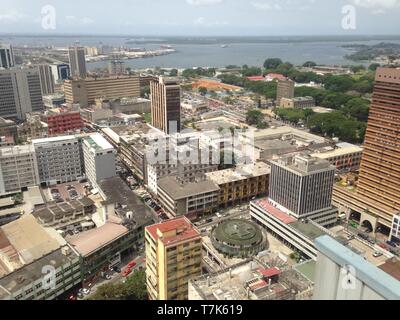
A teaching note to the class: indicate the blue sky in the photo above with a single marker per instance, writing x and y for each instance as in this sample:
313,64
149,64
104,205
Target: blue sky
201,17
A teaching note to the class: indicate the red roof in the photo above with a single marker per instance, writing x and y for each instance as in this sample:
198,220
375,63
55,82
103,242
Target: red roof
184,230
276,76
268,273
282,216
256,78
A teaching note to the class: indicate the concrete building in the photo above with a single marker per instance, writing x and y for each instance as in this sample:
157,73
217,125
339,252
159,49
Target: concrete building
191,198
18,169
6,56
285,89
241,184
61,121
20,93
46,79
131,106
77,61
8,128
85,91
302,186
298,103
54,100
60,71
59,159
344,156
296,234
166,104
173,257
251,280
343,275
99,157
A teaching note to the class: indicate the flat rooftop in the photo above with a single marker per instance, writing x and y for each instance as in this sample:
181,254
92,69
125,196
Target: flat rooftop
90,241
240,173
177,230
53,139
180,190
98,143
16,150
117,192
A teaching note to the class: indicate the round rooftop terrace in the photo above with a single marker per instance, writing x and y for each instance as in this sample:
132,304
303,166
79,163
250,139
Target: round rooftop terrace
239,238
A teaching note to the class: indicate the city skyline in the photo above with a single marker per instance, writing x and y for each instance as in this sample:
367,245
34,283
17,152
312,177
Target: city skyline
204,17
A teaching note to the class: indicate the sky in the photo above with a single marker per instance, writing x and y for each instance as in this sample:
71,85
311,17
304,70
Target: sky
201,17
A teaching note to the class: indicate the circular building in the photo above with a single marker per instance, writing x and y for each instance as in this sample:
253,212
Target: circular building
238,238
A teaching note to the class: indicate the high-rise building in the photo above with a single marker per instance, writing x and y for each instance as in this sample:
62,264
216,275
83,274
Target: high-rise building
99,158
285,89
20,92
6,56
59,159
302,186
116,67
46,79
379,178
18,169
166,104
85,91
173,256
60,71
77,61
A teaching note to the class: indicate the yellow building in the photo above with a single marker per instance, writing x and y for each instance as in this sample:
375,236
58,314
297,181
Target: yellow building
86,91
173,257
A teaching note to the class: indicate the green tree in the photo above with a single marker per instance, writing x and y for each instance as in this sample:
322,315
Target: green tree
203,91
173,73
374,66
254,117
145,91
309,64
272,63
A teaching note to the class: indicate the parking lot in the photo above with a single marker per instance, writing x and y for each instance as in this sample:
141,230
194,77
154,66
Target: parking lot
66,191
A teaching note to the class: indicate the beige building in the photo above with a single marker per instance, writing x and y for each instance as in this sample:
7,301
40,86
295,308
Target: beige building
285,90
298,103
85,91
18,169
173,257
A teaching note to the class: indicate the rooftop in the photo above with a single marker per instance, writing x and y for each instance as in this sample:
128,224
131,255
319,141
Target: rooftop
177,189
239,173
16,150
90,241
98,143
174,231
238,232
53,139
303,164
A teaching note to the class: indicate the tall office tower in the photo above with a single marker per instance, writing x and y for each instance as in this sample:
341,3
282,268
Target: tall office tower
77,62
20,92
285,89
116,67
173,256
6,56
165,104
85,91
60,71
301,185
46,79
379,178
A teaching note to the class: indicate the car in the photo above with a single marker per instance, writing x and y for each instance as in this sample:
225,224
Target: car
391,243
117,269
377,254
71,187
383,246
80,295
126,272
72,297
350,237
132,264
209,220
85,291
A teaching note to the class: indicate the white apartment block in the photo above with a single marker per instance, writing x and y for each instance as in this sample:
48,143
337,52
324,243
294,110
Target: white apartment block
59,159
99,158
18,169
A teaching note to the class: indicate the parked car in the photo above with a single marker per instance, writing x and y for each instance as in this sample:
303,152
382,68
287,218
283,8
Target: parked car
85,291
383,246
132,264
126,272
80,295
377,254
392,244
72,297
117,269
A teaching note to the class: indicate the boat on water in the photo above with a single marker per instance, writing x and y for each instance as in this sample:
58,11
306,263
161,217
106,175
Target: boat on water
166,46
224,46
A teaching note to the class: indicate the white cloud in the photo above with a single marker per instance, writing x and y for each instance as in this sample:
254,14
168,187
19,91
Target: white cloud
204,2
12,16
201,21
